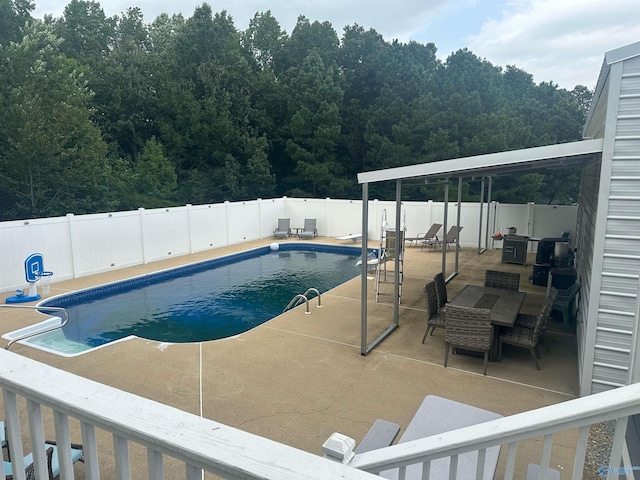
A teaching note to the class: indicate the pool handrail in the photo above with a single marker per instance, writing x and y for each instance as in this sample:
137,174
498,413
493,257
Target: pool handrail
295,301
46,330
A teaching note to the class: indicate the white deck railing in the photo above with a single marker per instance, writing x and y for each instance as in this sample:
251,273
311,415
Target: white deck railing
205,445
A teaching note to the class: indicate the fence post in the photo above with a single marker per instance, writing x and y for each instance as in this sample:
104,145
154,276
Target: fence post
226,220
143,242
72,242
189,233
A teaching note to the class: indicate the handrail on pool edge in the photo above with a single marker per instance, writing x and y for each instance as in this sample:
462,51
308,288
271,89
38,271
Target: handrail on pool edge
295,301
32,334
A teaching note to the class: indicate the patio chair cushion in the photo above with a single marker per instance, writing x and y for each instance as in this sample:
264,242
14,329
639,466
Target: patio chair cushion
381,434
533,469
52,461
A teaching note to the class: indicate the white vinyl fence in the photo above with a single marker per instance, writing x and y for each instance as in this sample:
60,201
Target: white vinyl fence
79,245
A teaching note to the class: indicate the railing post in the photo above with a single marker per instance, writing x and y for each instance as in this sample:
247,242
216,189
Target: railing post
339,448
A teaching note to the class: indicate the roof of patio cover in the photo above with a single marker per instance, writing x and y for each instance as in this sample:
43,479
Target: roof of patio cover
501,163
493,164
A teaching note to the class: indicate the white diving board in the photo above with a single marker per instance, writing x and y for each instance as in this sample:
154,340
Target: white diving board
354,237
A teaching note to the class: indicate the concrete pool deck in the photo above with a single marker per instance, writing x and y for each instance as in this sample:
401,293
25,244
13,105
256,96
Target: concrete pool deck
298,378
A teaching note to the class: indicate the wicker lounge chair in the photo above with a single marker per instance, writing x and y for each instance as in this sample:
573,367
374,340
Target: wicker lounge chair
526,337
283,230
468,329
432,233
53,466
435,318
309,230
504,280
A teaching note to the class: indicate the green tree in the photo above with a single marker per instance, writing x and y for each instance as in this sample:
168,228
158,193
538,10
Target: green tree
14,14
153,181
314,125
52,158
126,85
87,32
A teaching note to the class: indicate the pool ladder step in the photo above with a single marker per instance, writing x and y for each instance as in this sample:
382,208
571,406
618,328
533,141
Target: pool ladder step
302,297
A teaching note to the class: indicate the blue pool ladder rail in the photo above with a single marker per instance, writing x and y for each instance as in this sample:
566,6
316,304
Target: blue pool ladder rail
302,297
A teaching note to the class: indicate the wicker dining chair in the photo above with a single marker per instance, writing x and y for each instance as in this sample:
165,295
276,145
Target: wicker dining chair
529,321
468,329
435,318
503,280
525,336
441,290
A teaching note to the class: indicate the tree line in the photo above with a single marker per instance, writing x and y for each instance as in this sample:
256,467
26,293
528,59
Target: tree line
105,113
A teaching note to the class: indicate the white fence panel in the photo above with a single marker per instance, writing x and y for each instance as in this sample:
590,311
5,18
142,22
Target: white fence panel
104,242
297,209
270,211
165,233
243,221
19,239
208,226
80,245
344,217
549,221
419,216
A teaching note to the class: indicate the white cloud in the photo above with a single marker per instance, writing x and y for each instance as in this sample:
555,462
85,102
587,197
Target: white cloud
555,40
559,41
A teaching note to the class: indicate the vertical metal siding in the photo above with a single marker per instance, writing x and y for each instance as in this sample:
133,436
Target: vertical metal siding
595,129
617,321
588,206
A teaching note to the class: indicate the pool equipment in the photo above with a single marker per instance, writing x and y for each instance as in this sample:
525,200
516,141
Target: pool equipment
274,247
33,271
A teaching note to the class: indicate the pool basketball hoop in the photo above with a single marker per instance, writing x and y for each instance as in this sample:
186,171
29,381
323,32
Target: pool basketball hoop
45,281
34,272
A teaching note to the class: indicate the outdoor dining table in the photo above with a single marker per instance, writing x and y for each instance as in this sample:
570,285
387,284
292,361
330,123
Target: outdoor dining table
504,306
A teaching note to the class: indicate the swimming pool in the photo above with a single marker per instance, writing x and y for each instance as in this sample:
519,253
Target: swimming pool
204,301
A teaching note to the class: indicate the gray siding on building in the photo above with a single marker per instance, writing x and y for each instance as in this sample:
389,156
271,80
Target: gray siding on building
620,276
588,205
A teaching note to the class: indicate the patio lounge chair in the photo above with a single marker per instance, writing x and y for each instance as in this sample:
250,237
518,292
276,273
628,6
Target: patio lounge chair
451,238
421,237
309,230
283,229
53,466
504,280
468,329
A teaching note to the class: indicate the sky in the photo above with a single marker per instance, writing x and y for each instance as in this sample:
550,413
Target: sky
562,41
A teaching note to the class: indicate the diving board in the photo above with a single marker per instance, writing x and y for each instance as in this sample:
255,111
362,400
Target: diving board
354,237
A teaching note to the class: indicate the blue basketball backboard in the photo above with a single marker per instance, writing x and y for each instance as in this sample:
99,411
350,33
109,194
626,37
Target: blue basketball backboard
32,266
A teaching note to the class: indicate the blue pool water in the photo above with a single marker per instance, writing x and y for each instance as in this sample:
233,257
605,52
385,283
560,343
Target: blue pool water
204,301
